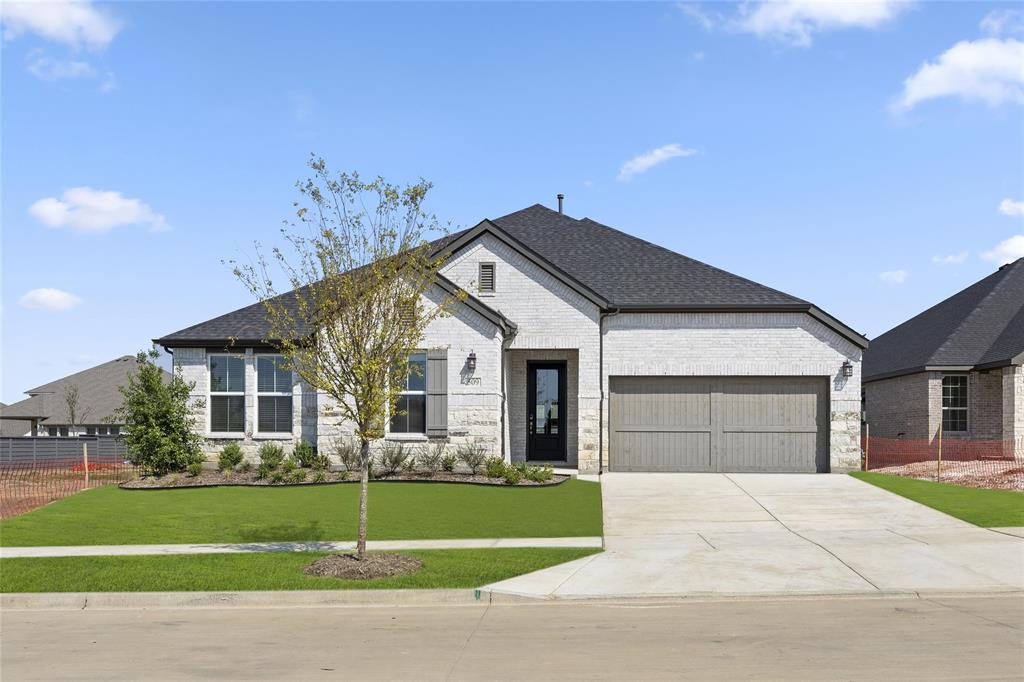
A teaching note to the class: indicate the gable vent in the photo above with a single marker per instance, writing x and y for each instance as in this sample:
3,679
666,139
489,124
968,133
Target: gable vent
487,277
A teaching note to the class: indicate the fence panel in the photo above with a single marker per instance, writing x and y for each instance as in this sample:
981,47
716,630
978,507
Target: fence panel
38,470
962,461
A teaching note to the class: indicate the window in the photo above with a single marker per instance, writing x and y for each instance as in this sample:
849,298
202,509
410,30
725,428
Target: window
273,395
57,431
954,402
411,413
227,394
115,430
486,279
90,430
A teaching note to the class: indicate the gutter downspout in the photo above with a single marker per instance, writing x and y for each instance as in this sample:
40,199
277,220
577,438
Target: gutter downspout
600,380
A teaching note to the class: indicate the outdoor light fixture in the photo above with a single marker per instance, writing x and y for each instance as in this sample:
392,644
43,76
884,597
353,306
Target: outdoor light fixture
847,369
471,361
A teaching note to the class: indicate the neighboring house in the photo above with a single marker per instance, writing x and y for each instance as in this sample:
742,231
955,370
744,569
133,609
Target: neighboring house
579,345
13,427
956,365
45,411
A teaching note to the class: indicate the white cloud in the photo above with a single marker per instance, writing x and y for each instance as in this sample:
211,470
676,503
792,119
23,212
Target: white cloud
75,23
989,70
893,276
1003,22
795,22
49,299
950,259
1011,208
1007,251
648,160
48,69
94,211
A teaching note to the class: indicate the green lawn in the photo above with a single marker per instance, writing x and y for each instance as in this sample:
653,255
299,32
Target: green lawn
398,511
264,571
986,508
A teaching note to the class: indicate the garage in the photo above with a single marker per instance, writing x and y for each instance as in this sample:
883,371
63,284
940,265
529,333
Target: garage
681,424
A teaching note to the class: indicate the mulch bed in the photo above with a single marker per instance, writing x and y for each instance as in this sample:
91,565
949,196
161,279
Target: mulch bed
211,478
347,567
994,475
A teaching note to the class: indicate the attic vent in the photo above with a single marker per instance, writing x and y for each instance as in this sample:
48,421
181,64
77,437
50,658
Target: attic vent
487,277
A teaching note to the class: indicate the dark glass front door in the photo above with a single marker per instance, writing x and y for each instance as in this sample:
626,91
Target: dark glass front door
545,411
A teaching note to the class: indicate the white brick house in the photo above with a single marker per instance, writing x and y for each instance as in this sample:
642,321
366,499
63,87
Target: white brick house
582,346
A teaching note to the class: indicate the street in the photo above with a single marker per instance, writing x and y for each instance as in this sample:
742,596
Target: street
814,638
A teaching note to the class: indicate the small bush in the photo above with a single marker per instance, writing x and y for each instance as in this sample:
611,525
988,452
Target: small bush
448,462
264,470
430,457
523,467
298,476
539,474
512,476
230,456
342,475
347,451
271,454
319,475
495,467
195,468
472,455
305,454
288,466
393,458
277,476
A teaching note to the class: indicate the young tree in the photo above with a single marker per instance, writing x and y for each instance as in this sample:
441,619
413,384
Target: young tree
157,414
359,262
76,412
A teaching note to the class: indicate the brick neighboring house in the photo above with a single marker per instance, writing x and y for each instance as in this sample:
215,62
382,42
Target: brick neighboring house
579,345
957,364
45,413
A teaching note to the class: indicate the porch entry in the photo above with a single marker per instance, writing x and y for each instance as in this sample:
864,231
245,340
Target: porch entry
545,411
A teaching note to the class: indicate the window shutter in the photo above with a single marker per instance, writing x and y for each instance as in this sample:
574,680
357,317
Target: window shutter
437,392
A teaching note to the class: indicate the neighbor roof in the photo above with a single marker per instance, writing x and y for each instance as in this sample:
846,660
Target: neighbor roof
979,327
613,269
98,394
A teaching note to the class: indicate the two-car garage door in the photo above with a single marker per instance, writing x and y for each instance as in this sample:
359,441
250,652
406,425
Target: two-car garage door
719,424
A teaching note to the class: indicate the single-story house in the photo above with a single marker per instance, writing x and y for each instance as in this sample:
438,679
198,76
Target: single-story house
957,365
45,412
578,345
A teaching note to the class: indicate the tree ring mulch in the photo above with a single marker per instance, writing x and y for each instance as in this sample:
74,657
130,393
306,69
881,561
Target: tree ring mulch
348,567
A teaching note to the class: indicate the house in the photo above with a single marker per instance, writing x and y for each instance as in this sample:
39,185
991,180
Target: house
45,412
956,365
13,427
579,345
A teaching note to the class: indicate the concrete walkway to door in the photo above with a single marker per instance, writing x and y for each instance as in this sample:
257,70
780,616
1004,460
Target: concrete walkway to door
774,534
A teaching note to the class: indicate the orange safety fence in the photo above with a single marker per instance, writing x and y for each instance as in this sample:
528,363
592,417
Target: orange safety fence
977,463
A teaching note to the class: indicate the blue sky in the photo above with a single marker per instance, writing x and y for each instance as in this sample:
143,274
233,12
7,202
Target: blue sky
834,152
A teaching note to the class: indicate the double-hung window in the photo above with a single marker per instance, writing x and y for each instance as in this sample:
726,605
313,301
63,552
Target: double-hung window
273,395
954,403
227,394
411,413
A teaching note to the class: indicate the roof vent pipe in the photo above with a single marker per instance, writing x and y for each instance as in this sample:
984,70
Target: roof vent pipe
560,197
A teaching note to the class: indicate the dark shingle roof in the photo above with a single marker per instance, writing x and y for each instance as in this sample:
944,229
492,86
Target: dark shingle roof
980,325
618,269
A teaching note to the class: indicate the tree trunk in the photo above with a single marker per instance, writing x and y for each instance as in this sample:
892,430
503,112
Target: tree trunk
364,489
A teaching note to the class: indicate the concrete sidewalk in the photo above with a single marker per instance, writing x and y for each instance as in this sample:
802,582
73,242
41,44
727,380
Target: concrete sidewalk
238,548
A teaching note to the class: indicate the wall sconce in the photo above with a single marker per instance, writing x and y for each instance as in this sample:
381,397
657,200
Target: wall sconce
471,361
847,369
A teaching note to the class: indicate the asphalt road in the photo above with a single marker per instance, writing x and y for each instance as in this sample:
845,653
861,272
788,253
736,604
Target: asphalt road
854,638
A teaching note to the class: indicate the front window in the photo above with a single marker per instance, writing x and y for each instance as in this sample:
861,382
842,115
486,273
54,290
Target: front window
57,431
411,411
274,395
954,403
227,394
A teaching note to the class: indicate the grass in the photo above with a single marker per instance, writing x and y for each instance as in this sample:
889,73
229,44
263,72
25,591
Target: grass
986,508
454,568
397,511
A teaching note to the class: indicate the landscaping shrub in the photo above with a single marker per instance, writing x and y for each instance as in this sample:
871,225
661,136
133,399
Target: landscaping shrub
298,476
305,454
512,476
288,466
195,468
264,470
430,457
540,474
230,456
347,451
245,467
277,476
495,467
393,458
271,454
448,462
319,475
472,455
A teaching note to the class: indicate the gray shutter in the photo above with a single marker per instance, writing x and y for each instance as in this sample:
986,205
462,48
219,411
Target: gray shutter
437,392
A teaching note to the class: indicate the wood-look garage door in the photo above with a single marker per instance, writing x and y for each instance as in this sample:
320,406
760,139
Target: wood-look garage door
718,424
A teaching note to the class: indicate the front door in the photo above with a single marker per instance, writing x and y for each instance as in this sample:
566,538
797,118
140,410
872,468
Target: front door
545,411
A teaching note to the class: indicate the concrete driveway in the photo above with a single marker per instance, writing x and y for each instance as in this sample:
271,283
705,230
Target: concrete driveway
775,534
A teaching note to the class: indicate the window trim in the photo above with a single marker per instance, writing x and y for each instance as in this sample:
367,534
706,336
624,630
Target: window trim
412,435
967,400
210,394
272,394
480,277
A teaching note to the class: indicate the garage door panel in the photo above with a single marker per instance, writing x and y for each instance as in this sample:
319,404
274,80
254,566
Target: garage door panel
768,452
664,451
